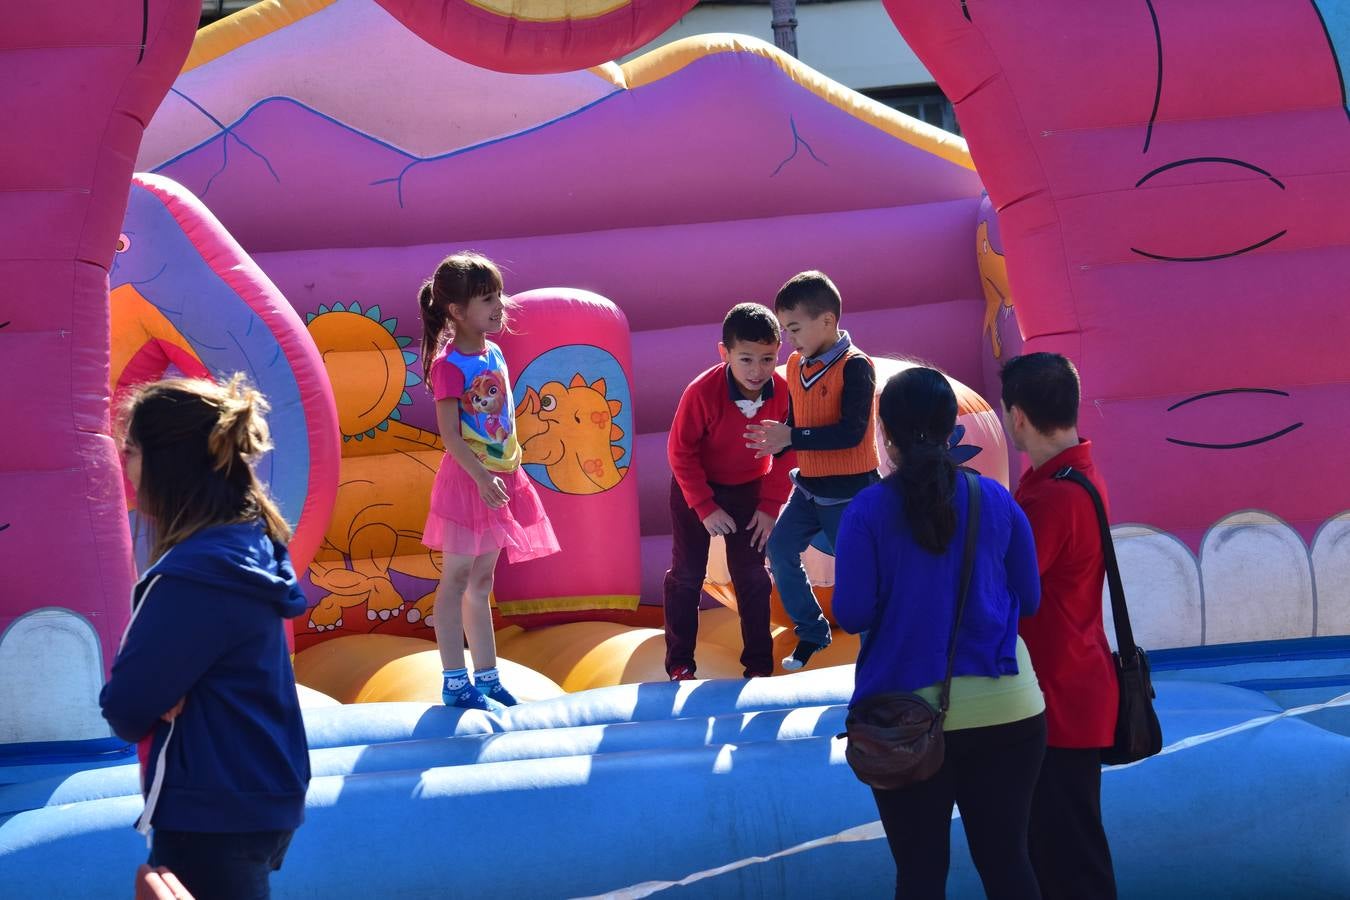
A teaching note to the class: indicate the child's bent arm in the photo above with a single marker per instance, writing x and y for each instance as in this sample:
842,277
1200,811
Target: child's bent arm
490,487
447,420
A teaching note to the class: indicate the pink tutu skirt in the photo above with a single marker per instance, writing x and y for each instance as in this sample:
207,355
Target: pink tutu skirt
461,524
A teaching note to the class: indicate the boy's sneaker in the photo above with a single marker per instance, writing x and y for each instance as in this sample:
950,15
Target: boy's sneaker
799,658
681,673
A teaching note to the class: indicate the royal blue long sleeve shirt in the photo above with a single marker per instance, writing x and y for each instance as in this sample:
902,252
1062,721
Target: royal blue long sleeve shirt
905,596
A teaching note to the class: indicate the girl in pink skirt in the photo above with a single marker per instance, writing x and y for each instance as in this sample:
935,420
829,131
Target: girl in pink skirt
482,503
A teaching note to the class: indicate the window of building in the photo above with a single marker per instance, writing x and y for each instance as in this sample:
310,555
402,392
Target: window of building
922,101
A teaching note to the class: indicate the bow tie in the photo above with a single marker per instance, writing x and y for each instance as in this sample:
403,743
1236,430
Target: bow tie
750,407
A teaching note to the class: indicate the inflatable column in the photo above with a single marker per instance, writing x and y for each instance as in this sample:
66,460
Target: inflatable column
83,78
570,355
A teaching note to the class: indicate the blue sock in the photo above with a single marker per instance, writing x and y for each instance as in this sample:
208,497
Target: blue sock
489,681
458,690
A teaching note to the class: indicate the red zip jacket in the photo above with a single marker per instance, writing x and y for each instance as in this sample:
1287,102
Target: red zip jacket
1066,638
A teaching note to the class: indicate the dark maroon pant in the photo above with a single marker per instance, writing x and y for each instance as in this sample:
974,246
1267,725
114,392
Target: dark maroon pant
689,564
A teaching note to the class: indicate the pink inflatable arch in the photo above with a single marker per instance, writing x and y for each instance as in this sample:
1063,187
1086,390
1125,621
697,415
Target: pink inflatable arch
1172,179
64,541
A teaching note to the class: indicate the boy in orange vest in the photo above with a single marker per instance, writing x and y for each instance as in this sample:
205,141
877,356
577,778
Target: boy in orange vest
830,426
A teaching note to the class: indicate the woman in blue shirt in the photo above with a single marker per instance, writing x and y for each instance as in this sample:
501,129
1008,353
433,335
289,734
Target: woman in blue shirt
897,571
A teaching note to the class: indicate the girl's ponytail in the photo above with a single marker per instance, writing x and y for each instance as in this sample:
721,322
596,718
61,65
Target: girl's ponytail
240,435
918,411
927,478
434,321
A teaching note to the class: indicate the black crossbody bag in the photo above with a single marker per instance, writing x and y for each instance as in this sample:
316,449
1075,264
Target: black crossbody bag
895,739
1138,732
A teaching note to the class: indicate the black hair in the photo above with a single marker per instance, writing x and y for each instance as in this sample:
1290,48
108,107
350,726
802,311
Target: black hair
1044,386
812,291
918,409
753,323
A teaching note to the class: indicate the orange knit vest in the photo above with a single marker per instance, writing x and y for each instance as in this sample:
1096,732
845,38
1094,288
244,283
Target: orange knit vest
818,404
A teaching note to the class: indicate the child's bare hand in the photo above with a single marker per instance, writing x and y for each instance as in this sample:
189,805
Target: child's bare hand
719,521
159,884
493,491
767,438
761,526
174,710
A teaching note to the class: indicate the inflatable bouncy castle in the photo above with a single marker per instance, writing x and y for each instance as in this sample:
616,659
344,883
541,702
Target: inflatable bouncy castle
1166,216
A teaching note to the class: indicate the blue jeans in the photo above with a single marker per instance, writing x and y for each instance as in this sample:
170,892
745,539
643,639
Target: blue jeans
802,521
226,866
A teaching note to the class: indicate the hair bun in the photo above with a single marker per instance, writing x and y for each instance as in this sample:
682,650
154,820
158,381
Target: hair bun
240,434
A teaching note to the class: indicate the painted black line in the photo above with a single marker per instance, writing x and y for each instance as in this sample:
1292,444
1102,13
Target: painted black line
145,28
5,323
964,11
1194,160
1258,245
1208,394
1331,45
1157,91
1240,444
4,526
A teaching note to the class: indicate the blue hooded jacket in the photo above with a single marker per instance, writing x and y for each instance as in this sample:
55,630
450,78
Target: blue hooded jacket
208,624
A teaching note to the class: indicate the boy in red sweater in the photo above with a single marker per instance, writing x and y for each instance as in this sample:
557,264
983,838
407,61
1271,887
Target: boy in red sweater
722,488
1065,638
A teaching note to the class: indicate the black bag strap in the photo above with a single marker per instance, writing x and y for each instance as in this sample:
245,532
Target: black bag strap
967,566
1120,613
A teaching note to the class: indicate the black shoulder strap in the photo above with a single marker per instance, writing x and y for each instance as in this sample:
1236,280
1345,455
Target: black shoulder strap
1120,613
967,566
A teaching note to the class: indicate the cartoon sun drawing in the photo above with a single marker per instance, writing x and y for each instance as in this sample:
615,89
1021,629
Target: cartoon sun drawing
366,381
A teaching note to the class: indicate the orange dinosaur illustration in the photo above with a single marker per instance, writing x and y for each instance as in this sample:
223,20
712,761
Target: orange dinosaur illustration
385,480
569,429
994,278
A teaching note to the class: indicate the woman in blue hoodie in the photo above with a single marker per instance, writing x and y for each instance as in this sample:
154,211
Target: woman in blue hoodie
203,680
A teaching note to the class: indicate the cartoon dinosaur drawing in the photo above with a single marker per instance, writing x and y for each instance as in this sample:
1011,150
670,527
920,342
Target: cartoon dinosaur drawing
386,475
569,429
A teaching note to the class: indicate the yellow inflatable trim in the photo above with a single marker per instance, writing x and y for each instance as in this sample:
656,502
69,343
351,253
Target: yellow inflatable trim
627,602
550,10
672,57
249,24
262,19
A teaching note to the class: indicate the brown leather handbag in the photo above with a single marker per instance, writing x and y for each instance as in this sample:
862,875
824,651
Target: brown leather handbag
895,739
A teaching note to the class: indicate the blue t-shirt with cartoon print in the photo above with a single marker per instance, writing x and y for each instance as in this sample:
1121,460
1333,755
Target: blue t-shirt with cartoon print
487,415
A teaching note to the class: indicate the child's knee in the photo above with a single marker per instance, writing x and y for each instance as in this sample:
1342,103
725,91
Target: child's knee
455,580
480,584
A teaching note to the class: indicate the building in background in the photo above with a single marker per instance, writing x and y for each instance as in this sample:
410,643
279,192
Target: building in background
852,41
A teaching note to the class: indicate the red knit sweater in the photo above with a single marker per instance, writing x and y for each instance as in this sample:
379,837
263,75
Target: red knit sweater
707,442
1066,638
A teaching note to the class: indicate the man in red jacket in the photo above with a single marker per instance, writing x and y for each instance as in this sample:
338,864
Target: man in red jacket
722,488
1066,639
